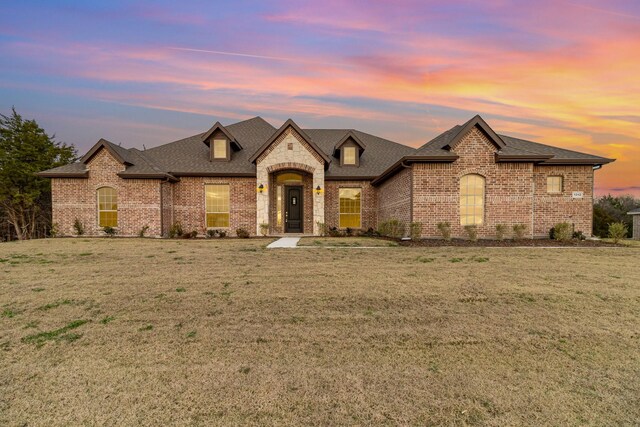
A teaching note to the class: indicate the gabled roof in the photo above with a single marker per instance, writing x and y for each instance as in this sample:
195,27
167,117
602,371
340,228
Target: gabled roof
276,134
449,139
509,150
218,127
350,135
120,154
381,159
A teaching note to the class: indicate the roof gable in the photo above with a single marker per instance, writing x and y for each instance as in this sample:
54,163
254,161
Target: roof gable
289,124
122,155
476,121
349,136
218,127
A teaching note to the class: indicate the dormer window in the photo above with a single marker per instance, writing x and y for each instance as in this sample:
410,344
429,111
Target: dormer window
349,155
349,149
220,143
220,149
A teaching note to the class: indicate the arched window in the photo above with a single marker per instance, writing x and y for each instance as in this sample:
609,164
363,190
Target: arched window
471,200
107,207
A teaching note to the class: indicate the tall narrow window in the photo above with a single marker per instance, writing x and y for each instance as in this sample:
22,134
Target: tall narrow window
279,204
219,148
349,155
217,205
107,207
554,184
471,200
350,213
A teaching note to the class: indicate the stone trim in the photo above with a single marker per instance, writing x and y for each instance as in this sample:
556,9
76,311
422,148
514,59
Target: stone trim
290,165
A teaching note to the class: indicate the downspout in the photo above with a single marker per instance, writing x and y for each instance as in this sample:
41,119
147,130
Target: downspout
406,166
533,200
593,194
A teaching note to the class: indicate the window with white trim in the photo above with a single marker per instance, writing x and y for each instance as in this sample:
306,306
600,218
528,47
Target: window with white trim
107,207
350,207
217,205
554,184
472,199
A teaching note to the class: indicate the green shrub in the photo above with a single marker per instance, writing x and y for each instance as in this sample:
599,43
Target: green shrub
579,235
54,230
445,230
264,229
396,228
335,232
472,232
109,231
175,230
518,231
143,231
322,228
222,233
415,230
562,232
391,228
383,228
501,231
78,226
617,231
242,233
211,233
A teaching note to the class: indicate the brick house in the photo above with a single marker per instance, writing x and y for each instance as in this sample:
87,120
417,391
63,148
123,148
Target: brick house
250,173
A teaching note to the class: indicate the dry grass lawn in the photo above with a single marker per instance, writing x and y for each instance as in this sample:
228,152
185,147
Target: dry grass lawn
225,332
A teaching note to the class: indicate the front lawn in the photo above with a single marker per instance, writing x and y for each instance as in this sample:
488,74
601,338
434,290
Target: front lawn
226,332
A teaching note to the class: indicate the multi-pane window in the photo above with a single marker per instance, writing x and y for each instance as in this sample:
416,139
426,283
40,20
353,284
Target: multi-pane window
350,202
349,156
471,199
219,148
217,205
554,184
107,207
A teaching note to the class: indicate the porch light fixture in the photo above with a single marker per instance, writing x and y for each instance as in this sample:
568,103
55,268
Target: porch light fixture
261,188
318,190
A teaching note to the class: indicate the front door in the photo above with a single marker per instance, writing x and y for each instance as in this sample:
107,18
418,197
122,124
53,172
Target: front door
293,210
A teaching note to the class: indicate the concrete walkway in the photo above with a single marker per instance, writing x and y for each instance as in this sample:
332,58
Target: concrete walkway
284,242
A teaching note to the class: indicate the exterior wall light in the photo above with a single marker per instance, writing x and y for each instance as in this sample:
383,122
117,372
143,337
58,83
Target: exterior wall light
318,190
261,188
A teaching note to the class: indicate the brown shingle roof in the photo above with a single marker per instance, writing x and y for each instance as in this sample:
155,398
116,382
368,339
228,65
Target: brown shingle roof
381,158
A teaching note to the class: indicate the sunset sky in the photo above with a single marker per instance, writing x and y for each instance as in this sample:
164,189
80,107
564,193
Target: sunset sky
564,73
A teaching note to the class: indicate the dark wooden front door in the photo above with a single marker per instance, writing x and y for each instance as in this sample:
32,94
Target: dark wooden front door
293,210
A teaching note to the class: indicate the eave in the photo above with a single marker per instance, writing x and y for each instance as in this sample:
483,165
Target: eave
407,160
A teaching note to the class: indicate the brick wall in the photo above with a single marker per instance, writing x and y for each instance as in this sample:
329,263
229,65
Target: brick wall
427,192
551,209
138,199
394,198
508,189
515,193
636,227
189,203
368,203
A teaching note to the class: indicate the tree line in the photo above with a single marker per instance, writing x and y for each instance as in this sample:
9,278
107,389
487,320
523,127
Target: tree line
25,199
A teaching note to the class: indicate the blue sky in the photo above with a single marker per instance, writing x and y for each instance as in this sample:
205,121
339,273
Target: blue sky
145,73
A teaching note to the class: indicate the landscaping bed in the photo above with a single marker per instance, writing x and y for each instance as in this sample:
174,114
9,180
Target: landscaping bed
508,243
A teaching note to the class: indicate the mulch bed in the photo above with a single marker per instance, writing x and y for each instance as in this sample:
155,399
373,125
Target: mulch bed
507,243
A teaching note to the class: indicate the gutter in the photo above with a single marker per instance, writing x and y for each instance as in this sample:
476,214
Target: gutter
405,161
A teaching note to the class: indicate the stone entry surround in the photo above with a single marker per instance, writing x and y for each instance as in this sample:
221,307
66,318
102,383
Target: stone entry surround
289,152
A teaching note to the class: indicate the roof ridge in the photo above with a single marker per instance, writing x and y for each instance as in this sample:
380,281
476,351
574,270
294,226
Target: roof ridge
550,146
